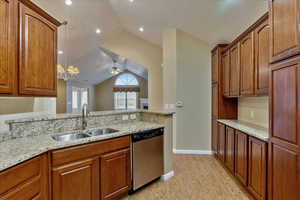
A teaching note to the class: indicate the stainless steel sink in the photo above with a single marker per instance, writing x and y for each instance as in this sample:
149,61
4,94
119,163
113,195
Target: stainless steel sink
104,131
69,137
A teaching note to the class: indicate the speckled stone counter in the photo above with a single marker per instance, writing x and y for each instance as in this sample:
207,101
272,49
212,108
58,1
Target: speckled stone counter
251,129
15,151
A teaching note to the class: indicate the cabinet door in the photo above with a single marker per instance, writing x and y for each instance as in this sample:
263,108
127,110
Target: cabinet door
262,46
257,168
229,148
7,50
284,145
38,54
226,74
215,137
215,65
78,180
247,65
215,102
284,21
115,174
221,144
234,84
241,156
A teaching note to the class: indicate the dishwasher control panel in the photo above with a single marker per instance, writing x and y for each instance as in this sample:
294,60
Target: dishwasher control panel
147,134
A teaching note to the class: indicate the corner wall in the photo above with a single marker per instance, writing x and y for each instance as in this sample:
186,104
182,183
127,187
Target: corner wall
187,66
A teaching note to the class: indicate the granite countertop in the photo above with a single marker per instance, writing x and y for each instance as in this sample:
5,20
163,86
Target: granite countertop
13,152
43,117
251,129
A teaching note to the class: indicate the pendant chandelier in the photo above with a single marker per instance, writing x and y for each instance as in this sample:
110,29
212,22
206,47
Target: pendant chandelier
66,71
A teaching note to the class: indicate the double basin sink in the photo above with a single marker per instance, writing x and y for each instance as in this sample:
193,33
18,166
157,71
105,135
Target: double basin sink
76,136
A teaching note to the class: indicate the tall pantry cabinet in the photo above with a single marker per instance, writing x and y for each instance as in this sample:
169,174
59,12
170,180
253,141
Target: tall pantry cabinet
222,108
284,144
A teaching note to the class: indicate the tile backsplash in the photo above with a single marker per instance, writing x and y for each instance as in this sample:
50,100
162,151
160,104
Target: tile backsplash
254,110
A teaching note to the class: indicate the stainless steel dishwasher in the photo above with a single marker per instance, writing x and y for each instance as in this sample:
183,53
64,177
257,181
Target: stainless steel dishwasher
147,157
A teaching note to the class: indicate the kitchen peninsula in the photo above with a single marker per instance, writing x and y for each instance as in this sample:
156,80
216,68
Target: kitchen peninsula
30,151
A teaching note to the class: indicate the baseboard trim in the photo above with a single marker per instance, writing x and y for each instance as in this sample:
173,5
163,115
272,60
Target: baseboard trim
167,176
195,152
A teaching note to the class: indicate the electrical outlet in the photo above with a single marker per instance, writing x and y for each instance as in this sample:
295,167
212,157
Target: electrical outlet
252,114
133,116
125,117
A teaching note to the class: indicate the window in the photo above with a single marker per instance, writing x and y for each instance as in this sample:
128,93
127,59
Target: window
126,92
126,80
79,97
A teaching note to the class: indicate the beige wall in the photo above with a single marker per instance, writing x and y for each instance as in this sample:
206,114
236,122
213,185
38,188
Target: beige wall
16,105
169,67
143,53
104,96
61,101
254,110
190,63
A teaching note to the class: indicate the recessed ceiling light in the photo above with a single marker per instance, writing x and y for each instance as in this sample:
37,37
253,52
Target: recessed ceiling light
141,29
68,2
131,1
98,30
60,52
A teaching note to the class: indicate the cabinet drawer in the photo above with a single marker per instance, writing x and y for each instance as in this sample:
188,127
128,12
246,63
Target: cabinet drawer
28,191
19,174
68,155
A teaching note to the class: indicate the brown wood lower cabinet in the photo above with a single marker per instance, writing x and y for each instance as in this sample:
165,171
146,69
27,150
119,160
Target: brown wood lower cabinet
245,158
94,171
230,148
78,180
115,174
221,142
241,157
257,168
26,181
215,137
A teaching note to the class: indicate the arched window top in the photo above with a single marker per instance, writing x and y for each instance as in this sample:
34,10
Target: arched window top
126,80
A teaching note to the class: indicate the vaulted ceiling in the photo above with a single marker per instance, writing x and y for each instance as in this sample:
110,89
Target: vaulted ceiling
212,21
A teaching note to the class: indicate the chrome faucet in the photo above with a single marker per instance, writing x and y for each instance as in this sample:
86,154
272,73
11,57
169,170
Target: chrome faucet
85,113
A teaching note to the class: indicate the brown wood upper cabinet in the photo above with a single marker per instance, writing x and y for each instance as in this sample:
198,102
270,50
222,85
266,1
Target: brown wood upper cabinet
226,73
245,62
8,47
234,60
262,67
247,65
38,54
23,23
215,66
26,181
285,32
